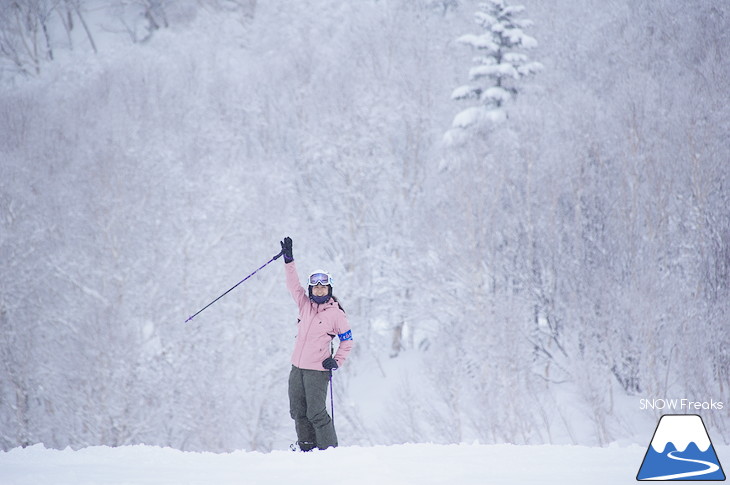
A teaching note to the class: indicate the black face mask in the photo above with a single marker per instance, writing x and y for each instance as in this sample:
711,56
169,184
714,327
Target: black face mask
320,299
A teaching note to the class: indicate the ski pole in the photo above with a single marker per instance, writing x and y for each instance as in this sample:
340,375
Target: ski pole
332,394
234,286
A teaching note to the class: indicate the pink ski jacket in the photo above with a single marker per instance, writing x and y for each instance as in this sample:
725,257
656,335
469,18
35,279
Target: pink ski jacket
317,326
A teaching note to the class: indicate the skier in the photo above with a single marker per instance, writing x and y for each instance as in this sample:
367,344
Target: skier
321,318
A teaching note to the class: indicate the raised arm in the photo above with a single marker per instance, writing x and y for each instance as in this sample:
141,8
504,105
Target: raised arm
293,285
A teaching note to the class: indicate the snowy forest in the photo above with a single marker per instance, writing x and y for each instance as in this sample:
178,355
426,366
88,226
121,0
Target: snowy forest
524,206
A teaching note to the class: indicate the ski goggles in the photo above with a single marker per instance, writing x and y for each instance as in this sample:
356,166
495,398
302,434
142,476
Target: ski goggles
320,279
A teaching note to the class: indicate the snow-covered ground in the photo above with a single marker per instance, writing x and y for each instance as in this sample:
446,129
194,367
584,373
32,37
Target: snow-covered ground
412,463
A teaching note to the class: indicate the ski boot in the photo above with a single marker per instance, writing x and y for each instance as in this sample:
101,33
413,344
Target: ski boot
302,446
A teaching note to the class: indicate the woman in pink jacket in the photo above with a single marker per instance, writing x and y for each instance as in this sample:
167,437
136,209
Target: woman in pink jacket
321,318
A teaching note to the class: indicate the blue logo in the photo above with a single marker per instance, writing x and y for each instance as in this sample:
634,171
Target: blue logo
681,450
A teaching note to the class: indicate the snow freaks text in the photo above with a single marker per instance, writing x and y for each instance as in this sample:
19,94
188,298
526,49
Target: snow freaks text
680,405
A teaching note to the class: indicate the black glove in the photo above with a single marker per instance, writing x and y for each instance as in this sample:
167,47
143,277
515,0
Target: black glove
330,364
286,250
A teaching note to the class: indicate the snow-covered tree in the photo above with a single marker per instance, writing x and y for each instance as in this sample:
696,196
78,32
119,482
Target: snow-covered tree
500,65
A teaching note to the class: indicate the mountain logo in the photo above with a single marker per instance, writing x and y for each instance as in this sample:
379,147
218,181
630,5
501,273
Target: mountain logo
681,450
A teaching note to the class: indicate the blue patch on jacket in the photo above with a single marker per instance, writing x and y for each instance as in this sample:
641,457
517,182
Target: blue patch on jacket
345,336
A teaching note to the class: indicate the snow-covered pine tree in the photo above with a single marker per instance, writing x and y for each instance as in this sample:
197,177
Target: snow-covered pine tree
498,68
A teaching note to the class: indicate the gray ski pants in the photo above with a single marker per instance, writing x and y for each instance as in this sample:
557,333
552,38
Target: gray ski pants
308,408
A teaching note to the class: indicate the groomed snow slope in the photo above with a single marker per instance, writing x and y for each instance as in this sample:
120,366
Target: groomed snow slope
379,465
